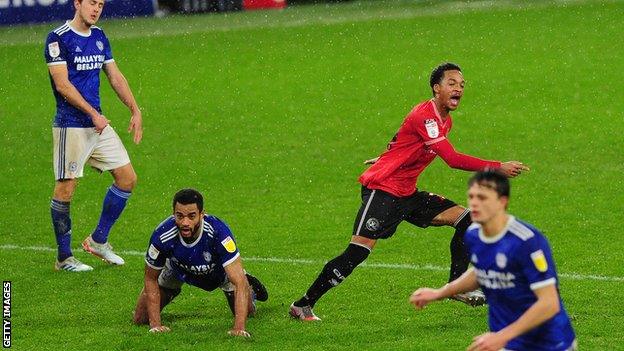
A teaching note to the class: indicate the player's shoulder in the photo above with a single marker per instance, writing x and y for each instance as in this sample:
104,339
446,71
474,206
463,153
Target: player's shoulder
165,231
59,33
215,226
472,233
97,31
523,230
422,111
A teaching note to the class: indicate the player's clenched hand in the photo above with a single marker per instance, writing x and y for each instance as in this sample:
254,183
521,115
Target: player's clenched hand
100,122
513,168
421,297
371,161
239,332
160,329
136,126
487,342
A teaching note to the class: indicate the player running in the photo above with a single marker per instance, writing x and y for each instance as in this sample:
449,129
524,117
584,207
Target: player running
75,53
390,194
198,249
514,266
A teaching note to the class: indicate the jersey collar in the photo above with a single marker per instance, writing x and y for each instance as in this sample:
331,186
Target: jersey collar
201,228
86,35
437,113
497,237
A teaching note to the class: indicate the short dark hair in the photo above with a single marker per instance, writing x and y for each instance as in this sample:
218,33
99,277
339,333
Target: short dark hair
438,73
187,197
492,179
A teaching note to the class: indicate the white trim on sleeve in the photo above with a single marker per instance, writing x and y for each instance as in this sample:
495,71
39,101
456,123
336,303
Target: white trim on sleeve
227,263
109,61
154,267
57,63
543,283
433,141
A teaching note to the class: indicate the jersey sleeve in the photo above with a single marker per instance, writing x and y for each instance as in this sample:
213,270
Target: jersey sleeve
108,51
55,52
427,128
225,244
156,256
457,160
537,263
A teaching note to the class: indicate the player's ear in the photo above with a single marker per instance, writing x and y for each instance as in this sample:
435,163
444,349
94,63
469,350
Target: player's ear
436,89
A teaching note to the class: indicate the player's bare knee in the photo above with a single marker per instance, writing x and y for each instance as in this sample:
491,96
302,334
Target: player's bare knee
125,179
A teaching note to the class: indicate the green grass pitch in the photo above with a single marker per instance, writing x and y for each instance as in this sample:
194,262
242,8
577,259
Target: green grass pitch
270,114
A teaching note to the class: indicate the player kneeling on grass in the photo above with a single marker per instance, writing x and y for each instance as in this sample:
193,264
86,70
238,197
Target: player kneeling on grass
513,264
198,249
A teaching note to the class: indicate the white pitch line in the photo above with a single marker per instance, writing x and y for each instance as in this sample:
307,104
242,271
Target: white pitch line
405,266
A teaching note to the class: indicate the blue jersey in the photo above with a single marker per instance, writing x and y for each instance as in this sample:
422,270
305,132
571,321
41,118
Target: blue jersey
200,263
84,55
509,267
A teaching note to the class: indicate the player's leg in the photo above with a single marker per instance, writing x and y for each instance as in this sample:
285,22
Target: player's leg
376,219
459,218
110,154
169,287
229,291
428,209
71,145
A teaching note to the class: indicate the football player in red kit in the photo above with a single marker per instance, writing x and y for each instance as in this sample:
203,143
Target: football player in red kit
390,194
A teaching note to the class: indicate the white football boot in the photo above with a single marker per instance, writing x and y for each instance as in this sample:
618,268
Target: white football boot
71,264
103,251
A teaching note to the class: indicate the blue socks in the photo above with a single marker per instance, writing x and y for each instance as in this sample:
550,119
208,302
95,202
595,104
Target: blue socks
114,203
62,228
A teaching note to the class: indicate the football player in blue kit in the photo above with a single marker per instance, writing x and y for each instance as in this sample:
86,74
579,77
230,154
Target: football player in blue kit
198,249
75,53
513,264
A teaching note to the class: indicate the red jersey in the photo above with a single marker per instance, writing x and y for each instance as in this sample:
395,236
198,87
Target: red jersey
421,137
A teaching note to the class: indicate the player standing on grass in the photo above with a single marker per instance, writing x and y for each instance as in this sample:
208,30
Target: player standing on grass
390,195
514,266
195,248
75,53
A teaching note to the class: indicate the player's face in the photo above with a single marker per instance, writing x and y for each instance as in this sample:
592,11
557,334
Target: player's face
187,218
450,90
89,10
485,204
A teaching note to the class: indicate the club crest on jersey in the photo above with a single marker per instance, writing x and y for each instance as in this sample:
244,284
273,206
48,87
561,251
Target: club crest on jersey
229,244
501,260
539,260
372,224
100,45
53,49
207,256
432,128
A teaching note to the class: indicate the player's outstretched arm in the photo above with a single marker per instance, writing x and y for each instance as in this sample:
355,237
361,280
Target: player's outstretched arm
121,87
423,296
60,77
546,307
513,168
152,296
372,161
236,275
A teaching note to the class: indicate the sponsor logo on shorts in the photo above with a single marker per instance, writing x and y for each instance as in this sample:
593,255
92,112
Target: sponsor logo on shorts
73,166
372,224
